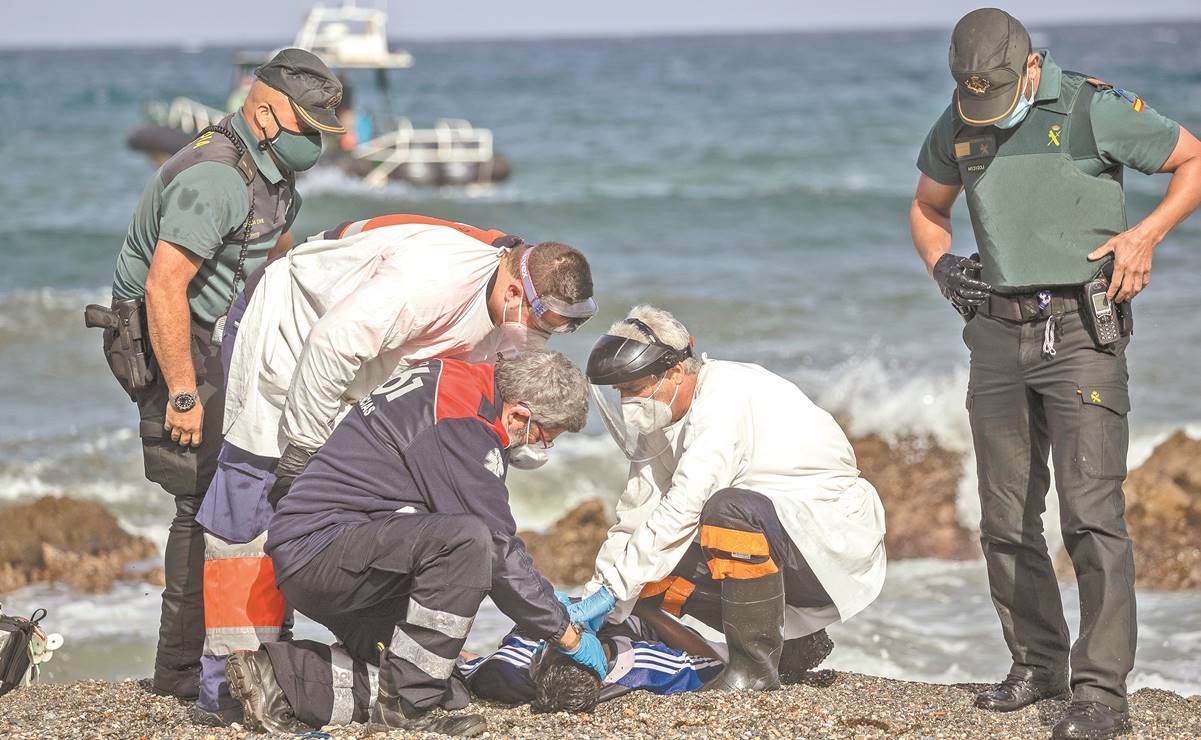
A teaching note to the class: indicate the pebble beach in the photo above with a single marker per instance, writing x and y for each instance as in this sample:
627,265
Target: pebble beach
828,704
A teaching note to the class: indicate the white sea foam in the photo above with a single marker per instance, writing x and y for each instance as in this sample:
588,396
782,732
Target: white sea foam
933,622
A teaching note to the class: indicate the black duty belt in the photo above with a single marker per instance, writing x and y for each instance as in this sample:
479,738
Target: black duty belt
1025,307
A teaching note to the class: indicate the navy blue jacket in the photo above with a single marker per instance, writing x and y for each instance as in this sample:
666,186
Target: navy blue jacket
428,440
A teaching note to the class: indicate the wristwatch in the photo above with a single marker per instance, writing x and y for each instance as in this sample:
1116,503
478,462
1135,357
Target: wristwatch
183,401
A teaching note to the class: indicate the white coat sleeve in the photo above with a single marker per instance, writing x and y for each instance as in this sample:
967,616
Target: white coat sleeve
711,458
358,328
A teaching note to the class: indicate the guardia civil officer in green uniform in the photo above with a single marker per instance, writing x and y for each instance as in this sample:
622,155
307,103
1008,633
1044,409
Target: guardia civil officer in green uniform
212,214
1039,152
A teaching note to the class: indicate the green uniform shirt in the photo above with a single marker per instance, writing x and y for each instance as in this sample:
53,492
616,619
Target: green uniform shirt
196,210
1128,133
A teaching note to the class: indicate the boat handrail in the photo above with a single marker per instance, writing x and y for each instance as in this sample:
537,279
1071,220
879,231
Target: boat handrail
185,114
450,141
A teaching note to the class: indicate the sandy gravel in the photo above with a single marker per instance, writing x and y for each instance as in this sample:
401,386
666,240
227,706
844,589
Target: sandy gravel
829,705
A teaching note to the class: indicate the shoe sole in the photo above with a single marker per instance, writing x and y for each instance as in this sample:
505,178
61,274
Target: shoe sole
242,689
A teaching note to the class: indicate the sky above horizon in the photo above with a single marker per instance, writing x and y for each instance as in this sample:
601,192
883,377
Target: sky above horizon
221,22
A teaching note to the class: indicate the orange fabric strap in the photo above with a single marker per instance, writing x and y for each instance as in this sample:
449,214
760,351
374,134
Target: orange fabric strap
487,236
241,592
726,568
734,541
675,590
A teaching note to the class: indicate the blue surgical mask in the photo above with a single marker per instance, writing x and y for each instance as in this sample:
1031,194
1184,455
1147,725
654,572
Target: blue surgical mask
1019,111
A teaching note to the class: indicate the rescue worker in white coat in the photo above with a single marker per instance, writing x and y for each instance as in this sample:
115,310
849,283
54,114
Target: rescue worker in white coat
744,506
320,328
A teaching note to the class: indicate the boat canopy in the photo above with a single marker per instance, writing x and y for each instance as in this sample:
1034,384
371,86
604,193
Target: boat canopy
346,36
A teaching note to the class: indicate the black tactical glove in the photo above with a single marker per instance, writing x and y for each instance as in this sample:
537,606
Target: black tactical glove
290,464
959,280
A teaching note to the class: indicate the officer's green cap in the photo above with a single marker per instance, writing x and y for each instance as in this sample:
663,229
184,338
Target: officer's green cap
313,90
989,49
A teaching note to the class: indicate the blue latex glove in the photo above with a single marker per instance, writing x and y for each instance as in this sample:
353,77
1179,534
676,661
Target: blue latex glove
589,654
591,611
563,598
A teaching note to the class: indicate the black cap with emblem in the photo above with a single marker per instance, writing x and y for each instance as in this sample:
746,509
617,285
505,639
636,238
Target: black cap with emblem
311,87
989,49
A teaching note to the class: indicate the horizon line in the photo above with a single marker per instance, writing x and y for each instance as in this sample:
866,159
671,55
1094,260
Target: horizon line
551,35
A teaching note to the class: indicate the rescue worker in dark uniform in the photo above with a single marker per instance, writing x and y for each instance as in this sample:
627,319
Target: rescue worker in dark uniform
214,212
1039,152
393,535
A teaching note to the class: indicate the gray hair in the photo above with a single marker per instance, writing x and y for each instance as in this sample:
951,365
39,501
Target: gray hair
665,326
554,389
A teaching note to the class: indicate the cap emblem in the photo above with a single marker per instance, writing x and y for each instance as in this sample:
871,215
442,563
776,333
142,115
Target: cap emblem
977,84
333,101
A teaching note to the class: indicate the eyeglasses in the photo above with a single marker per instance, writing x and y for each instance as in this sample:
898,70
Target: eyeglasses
545,443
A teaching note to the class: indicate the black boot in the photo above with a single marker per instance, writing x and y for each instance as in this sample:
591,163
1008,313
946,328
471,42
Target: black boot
252,682
1013,694
1091,719
387,715
752,615
803,654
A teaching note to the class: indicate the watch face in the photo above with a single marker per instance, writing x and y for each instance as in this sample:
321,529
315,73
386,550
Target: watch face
183,401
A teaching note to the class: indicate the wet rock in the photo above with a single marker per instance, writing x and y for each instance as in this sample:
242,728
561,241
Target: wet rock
566,552
62,539
918,483
1163,515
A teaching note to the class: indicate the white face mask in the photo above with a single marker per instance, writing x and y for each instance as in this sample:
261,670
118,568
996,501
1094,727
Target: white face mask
516,337
648,415
1019,111
527,456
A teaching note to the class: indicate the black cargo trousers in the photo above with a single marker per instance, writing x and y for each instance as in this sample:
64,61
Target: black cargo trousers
1025,402
185,473
400,594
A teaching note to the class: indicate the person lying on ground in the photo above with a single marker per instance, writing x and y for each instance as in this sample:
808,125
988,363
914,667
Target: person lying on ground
522,671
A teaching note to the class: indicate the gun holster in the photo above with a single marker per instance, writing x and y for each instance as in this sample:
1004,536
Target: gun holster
126,343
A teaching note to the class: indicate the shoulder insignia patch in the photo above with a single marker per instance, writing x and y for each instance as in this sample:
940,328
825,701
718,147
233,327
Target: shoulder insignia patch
494,463
1135,101
203,139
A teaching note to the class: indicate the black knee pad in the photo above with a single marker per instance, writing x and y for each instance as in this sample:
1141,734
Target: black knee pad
725,504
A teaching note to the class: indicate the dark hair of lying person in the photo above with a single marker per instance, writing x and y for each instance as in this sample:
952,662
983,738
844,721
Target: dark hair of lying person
562,685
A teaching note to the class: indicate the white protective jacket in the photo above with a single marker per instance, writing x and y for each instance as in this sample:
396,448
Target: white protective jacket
749,428
333,318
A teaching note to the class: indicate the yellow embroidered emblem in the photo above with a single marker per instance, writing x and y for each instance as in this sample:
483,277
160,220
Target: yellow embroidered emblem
1053,135
977,84
1095,397
203,139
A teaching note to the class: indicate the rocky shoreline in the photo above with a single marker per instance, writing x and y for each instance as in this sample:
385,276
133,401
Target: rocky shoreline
828,704
919,483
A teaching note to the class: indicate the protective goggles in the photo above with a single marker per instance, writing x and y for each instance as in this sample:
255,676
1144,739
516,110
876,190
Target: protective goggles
575,314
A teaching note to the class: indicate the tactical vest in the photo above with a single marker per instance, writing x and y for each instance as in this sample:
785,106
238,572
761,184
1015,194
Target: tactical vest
1036,213
269,201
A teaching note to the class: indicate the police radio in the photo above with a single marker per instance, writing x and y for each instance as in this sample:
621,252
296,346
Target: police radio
1104,318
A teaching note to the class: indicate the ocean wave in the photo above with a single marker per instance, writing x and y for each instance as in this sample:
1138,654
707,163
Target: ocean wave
330,181
39,314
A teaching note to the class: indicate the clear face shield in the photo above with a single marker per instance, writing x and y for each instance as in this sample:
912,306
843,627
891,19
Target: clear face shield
627,378
632,427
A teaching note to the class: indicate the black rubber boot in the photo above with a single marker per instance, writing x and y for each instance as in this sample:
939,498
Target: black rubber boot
803,654
387,715
252,682
752,615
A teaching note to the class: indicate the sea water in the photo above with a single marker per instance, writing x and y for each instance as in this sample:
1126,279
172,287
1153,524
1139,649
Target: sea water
757,186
